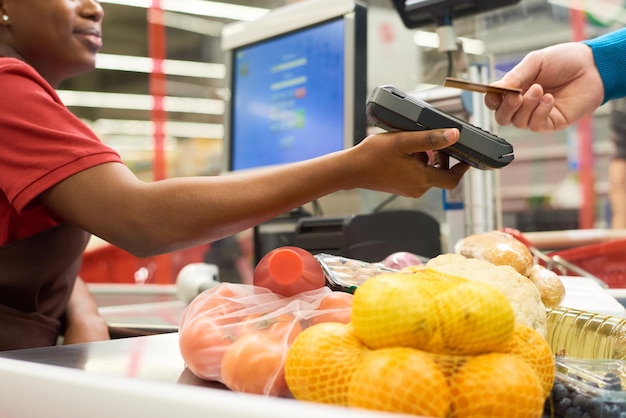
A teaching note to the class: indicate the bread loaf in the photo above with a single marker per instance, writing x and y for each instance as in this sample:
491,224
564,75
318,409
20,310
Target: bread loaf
549,285
503,249
499,248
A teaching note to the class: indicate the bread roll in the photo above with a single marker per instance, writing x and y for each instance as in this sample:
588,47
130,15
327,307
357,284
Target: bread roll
498,248
549,285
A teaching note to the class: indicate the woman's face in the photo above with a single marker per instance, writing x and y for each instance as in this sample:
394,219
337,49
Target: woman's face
59,38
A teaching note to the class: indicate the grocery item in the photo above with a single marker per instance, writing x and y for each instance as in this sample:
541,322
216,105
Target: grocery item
426,311
347,274
254,364
504,249
550,286
321,361
401,259
239,334
289,271
472,318
496,385
535,350
206,330
334,307
587,388
588,335
497,247
388,379
396,309
521,293
283,327
363,364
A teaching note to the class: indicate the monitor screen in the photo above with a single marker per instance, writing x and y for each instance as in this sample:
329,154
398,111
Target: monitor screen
297,93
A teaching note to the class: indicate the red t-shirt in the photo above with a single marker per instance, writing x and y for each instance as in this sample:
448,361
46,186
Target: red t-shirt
41,144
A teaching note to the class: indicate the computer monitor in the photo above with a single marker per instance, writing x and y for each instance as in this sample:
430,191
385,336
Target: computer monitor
298,83
416,13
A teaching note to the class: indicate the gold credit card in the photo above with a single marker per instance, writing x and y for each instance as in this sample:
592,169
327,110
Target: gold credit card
460,83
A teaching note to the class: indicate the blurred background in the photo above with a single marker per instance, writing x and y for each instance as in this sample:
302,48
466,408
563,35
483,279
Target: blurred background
539,190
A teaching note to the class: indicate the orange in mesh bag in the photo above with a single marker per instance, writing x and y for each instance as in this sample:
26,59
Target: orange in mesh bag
239,334
428,310
410,352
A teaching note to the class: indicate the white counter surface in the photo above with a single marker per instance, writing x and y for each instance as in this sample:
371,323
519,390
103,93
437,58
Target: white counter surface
132,377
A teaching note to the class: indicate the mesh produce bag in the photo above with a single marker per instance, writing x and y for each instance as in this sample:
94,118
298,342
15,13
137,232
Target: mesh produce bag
425,343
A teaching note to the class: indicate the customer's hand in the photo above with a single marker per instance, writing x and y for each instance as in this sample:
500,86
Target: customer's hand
406,163
560,84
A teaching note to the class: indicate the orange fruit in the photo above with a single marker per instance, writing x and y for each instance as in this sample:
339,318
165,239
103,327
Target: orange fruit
530,345
473,318
320,363
401,380
396,310
334,307
496,385
281,326
202,343
220,302
254,364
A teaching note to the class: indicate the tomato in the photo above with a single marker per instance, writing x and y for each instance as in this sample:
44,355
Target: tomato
203,342
254,364
334,307
279,326
218,302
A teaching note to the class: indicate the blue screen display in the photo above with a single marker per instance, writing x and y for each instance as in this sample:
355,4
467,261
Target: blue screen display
287,102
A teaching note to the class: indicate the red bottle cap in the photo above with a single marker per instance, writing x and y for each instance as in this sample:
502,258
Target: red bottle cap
289,270
285,266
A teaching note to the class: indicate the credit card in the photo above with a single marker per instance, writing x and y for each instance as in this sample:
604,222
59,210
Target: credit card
460,83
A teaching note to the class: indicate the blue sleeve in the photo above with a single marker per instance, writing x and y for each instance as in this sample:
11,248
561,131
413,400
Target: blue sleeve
609,53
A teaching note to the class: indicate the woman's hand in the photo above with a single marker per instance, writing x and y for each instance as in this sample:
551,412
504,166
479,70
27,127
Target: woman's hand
83,322
560,84
407,163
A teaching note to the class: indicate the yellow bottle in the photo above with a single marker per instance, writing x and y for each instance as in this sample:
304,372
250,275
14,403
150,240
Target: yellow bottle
588,335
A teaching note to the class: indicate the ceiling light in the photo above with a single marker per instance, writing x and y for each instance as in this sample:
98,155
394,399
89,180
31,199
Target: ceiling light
193,24
170,67
200,8
143,128
431,40
140,102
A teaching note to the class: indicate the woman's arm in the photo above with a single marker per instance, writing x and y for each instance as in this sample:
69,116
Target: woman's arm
151,218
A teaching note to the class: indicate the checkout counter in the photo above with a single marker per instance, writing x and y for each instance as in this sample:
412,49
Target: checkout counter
145,375
131,377
140,375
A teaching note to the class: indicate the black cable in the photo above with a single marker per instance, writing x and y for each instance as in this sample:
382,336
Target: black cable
317,208
450,64
384,203
445,19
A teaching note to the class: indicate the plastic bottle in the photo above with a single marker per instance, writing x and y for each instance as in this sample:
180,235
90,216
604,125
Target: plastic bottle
588,335
289,271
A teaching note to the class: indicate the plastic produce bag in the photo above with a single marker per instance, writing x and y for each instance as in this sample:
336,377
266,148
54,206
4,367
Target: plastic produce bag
239,334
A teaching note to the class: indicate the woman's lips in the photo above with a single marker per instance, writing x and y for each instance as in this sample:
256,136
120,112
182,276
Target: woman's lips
92,38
